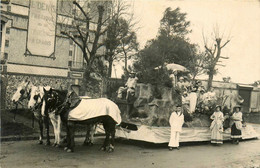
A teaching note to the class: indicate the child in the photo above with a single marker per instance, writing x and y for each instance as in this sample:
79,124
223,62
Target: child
236,125
216,126
176,122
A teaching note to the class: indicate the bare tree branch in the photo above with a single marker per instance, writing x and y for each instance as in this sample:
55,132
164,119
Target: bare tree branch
225,44
80,8
224,57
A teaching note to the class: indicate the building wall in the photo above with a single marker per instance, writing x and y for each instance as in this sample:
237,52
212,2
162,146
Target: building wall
231,91
41,71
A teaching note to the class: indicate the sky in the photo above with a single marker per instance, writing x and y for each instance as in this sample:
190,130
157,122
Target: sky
237,20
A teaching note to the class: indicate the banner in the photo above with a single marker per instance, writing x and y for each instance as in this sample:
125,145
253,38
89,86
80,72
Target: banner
41,28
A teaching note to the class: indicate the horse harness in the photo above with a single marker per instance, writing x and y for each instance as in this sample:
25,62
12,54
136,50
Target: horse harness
23,91
58,103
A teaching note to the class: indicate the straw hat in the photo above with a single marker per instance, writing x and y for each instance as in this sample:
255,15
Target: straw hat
218,106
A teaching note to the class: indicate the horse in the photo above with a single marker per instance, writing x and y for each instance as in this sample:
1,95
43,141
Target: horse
35,105
88,111
24,91
36,101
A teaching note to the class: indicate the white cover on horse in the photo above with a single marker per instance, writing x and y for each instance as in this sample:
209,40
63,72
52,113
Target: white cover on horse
90,108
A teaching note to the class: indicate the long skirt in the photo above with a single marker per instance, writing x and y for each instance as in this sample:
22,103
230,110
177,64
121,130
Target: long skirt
216,135
236,134
175,137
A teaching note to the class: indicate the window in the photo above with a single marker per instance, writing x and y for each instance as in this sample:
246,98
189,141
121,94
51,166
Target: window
2,38
77,58
5,1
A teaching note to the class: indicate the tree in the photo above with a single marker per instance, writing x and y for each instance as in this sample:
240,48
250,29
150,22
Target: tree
213,55
174,23
170,46
86,26
119,42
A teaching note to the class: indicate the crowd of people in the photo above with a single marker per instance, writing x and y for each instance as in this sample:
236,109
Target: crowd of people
194,95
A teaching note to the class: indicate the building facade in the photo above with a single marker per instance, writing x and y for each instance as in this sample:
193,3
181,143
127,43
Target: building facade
33,46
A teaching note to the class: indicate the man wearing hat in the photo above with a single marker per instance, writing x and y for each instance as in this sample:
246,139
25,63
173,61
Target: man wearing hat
129,86
236,124
181,85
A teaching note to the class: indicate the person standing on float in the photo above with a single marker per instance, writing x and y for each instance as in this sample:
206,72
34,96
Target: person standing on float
176,121
236,125
216,126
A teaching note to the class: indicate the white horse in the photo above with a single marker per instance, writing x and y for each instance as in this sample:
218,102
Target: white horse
25,91
22,92
35,105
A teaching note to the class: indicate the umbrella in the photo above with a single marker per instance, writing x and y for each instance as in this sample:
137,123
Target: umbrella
174,67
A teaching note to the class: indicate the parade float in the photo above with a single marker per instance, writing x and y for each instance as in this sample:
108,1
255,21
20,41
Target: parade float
145,116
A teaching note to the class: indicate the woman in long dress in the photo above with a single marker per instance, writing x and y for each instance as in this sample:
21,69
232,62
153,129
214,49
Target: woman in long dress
217,126
176,121
193,99
236,125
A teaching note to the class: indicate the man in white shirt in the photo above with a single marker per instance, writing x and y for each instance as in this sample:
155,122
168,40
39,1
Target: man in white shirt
129,86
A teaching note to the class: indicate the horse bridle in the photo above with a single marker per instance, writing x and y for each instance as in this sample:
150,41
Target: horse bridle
38,103
58,104
23,91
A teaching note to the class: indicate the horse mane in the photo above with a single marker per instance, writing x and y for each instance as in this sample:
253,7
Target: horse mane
61,93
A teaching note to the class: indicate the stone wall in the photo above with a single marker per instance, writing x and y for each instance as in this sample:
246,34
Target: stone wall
149,110
14,80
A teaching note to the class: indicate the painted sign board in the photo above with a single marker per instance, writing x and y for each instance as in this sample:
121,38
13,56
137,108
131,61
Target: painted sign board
42,28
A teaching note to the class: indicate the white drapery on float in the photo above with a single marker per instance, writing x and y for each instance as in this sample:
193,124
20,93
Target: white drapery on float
162,134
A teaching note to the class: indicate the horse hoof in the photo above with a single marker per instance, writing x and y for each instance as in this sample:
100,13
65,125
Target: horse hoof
66,148
102,148
57,146
110,150
54,145
69,150
40,142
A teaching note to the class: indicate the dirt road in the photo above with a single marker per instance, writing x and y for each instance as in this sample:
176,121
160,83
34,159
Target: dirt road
128,154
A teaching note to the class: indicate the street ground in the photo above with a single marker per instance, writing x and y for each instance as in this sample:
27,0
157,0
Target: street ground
128,154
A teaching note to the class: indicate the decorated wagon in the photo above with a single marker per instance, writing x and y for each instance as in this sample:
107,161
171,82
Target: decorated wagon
145,114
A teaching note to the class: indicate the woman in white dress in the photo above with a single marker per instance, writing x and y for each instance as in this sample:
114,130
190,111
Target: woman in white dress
216,126
193,99
176,121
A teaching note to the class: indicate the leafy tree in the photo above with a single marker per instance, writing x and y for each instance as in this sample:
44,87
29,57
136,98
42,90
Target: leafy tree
170,46
174,23
120,42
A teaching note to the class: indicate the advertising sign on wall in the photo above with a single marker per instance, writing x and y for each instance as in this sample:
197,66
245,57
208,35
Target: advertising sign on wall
42,28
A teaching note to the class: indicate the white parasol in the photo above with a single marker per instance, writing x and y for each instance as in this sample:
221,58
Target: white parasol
174,67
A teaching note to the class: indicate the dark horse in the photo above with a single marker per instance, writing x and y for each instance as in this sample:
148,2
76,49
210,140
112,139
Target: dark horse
97,111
